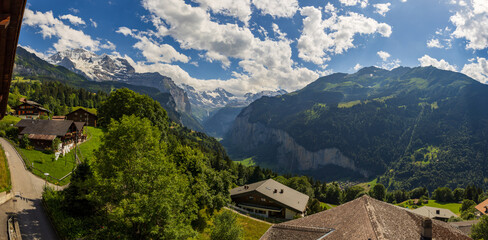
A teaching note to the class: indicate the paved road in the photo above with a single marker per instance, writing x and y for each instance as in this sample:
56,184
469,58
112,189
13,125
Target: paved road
33,221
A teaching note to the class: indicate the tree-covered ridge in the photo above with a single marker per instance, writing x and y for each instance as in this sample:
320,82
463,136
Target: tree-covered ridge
55,96
385,121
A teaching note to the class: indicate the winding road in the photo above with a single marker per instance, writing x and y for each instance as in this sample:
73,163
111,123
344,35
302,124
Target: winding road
26,204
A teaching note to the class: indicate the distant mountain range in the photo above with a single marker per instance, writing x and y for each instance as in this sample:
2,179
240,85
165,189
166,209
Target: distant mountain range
81,68
409,126
217,109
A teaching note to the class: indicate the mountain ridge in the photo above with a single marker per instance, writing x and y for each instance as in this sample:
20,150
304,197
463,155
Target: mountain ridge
378,119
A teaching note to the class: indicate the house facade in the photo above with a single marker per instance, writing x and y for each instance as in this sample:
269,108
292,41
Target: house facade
270,198
82,115
30,109
41,133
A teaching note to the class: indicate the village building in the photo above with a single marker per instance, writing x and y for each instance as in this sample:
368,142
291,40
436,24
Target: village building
82,115
58,118
41,133
30,109
364,218
482,208
270,198
435,213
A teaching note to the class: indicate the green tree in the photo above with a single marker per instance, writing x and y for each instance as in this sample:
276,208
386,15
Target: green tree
24,141
143,194
443,194
302,185
333,194
480,230
352,193
466,205
314,206
378,192
458,194
226,228
127,102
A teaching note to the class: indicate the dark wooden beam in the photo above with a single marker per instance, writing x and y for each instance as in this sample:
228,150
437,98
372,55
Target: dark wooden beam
11,14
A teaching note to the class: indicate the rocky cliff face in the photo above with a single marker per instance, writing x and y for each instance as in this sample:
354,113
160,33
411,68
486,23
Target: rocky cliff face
289,155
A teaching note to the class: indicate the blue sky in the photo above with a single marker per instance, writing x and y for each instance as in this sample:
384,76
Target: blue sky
254,45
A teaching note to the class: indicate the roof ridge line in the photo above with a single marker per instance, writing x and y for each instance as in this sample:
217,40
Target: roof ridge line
370,217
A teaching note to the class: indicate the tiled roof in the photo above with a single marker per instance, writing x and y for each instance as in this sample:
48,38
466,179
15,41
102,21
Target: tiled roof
45,127
364,218
273,189
481,207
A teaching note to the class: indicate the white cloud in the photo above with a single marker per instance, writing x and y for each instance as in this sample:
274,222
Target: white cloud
382,8
391,64
434,43
68,38
362,3
403,0
426,60
38,54
280,35
75,20
357,67
277,8
93,23
383,55
471,22
240,9
334,35
330,8
477,70
153,51
263,64
74,10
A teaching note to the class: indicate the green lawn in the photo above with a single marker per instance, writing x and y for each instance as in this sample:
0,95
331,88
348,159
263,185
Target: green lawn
5,183
454,207
59,168
45,163
247,162
87,148
10,119
253,230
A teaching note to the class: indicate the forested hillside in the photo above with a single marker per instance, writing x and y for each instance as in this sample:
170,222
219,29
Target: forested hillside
412,126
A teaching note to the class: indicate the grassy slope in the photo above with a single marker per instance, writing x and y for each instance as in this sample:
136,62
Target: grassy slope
247,162
59,168
454,207
5,183
253,230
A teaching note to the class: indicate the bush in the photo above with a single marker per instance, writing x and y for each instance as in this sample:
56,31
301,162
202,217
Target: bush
225,227
480,230
24,141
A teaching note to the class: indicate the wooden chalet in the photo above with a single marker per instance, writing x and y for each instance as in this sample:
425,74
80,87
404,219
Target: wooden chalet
30,109
82,115
41,133
11,14
270,198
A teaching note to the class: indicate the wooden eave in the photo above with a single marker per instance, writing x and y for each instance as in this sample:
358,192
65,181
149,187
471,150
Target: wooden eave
11,14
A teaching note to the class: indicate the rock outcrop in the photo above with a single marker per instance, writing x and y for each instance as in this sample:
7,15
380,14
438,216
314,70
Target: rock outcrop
290,156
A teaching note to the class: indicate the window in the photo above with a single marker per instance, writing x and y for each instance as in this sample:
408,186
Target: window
22,107
251,197
263,199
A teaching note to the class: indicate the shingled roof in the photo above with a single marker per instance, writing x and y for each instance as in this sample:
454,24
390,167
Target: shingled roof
364,218
44,127
283,194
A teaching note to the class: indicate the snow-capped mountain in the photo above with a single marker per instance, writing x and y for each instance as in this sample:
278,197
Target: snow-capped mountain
112,68
217,98
251,97
95,67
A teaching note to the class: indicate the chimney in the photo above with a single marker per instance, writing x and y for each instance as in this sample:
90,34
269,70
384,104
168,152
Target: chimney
426,233
275,191
486,209
437,212
281,191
